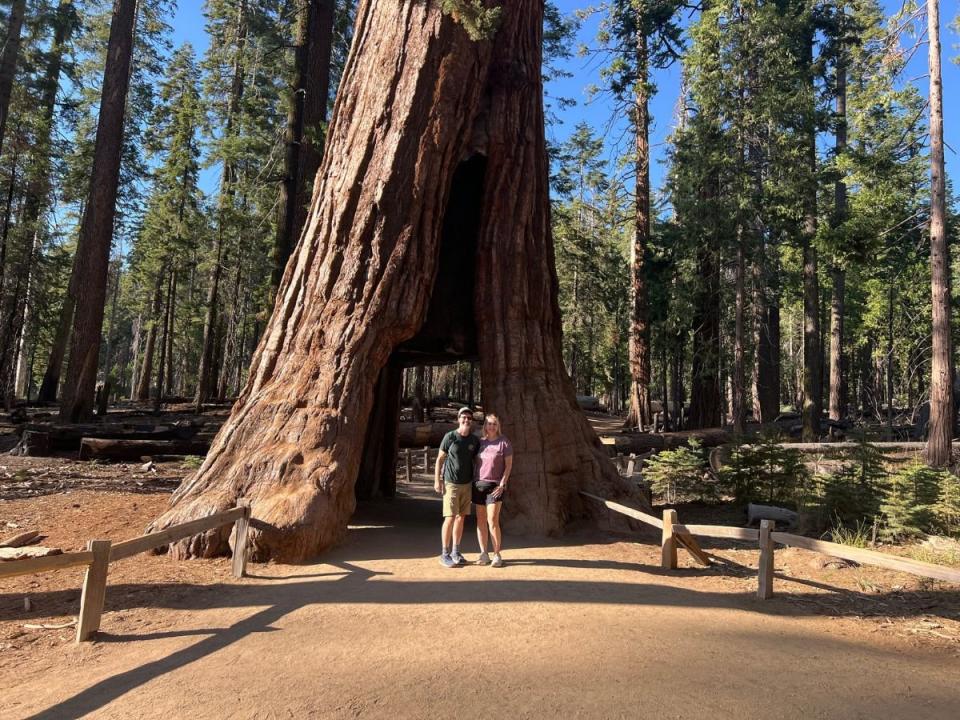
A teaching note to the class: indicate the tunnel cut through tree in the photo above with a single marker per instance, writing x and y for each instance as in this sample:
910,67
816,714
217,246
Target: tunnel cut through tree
425,117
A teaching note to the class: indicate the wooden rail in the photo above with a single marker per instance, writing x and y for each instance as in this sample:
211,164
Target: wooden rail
12,568
628,511
675,534
100,553
869,557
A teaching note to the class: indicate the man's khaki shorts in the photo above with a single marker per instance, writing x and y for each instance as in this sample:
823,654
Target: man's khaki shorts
457,499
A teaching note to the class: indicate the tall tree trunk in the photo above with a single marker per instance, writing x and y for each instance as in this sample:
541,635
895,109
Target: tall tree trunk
639,414
940,437
135,354
812,381
8,62
766,373
308,112
146,366
837,310
419,399
360,284
167,324
889,362
739,378
171,332
58,350
96,232
205,374
38,188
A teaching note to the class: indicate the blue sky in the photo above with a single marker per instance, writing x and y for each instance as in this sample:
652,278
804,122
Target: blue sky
188,24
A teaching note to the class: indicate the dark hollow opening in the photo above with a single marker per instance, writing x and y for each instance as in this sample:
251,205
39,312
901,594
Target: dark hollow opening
448,334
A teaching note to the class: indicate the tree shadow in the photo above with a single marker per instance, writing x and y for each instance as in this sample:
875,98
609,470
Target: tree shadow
358,585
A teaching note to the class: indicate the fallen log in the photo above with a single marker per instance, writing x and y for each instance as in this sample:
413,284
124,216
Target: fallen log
67,438
642,442
123,449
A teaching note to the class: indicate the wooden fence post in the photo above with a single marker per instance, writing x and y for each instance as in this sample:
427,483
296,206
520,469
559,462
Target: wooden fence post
668,543
94,590
631,465
426,459
765,572
242,526
406,462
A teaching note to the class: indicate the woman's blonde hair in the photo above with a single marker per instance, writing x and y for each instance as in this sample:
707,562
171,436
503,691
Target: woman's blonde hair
490,417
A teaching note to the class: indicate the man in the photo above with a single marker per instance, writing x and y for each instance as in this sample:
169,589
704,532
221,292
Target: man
458,451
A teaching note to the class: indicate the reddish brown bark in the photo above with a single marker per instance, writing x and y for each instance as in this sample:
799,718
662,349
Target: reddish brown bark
417,98
96,231
308,112
639,413
940,435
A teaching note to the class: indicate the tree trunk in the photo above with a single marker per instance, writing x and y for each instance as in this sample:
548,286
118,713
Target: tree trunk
37,190
837,409
889,363
8,62
146,366
96,231
419,400
167,325
940,436
308,113
739,379
205,373
58,350
359,285
639,414
812,382
171,332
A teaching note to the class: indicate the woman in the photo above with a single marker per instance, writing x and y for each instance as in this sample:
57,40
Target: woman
494,463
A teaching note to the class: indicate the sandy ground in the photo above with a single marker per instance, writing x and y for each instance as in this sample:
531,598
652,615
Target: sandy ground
584,627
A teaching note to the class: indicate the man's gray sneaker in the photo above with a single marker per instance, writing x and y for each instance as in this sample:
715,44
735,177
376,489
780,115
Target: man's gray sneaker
447,561
457,558
484,559
497,560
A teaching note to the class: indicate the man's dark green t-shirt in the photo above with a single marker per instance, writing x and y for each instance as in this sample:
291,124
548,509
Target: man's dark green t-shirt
461,452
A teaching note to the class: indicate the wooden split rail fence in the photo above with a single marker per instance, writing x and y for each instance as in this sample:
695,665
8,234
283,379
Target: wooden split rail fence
675,535
100,553
422,461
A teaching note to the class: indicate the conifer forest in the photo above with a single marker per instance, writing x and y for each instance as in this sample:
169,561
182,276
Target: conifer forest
782,256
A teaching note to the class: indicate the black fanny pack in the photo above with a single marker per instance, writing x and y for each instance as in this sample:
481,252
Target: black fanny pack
484,485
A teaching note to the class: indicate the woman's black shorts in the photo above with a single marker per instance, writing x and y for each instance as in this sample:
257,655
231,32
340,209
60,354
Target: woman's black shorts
482,493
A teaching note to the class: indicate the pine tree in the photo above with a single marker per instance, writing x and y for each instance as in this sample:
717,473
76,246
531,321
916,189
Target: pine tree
89,278
174,223
635,36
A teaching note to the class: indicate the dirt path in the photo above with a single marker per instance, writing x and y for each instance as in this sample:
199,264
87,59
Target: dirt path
583,628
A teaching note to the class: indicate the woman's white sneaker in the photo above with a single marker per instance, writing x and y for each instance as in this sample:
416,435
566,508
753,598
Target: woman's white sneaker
484,559
497,560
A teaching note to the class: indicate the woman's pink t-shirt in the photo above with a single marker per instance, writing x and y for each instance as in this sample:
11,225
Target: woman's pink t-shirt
492,459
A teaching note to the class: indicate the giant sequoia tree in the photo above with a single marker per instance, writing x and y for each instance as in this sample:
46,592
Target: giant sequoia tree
428,238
